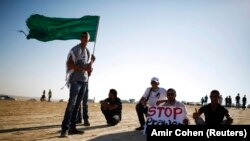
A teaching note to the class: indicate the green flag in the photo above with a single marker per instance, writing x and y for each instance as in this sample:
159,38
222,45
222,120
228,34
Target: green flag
51,28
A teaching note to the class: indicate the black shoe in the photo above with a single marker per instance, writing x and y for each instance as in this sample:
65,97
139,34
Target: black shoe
78,122
86,123
75,131
140,128
108,122
64,134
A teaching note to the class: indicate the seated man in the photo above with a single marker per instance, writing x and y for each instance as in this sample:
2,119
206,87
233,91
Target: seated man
149,98
112,108
214,112
171,101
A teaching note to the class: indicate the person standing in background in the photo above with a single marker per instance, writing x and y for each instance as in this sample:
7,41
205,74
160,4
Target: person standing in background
220,99
244,102
237,99
49,95
43,97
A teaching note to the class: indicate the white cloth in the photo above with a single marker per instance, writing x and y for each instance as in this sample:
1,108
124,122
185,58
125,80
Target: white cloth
77,54
159,93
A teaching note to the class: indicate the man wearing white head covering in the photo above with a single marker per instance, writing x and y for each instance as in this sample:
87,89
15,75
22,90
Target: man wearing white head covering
149,98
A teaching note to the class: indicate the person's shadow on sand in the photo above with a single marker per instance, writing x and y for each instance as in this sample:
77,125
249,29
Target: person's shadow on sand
46,127
29,128
122,136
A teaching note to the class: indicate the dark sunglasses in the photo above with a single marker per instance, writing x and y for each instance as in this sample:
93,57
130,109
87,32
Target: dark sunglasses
153,82
169,94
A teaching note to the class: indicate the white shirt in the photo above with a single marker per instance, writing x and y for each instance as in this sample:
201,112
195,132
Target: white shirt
159,93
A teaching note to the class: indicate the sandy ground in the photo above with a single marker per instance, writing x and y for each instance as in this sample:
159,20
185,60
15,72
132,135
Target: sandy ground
34,120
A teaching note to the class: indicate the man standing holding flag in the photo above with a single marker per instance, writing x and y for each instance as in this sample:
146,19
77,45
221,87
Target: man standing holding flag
78,73
79,64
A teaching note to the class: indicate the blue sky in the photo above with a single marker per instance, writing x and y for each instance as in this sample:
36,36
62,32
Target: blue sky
191,46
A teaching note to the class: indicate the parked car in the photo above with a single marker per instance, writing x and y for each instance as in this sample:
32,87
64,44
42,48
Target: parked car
6,97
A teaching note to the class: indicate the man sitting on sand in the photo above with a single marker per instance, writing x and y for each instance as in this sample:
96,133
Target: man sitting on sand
149,98
214,112
171,101
112,108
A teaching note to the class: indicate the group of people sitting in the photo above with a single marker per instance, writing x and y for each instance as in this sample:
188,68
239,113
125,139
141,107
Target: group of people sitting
214,112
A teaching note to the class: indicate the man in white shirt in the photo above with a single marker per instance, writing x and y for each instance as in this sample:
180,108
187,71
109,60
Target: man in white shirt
150,97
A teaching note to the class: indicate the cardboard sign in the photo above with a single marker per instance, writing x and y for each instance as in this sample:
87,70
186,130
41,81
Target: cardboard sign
165,115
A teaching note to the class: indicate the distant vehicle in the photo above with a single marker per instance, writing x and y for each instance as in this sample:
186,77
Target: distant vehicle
6,97
124,101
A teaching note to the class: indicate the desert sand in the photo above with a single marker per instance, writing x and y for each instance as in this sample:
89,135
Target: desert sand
35,120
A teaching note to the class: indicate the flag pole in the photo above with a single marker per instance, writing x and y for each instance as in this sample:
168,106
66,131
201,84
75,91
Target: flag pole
96,34
94,45
91,62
